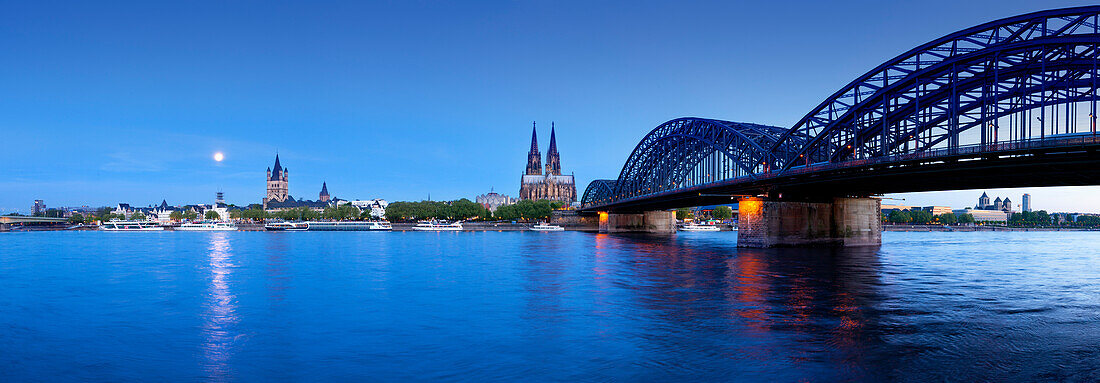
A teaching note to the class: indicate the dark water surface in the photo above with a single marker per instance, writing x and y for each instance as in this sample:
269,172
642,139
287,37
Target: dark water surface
505,306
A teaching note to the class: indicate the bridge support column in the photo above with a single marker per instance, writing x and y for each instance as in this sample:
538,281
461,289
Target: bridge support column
648,222
5,227
838,222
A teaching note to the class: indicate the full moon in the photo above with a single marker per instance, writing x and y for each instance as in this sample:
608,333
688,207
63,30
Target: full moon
219,156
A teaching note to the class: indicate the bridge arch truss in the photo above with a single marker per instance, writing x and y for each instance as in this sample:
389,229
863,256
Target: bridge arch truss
998,85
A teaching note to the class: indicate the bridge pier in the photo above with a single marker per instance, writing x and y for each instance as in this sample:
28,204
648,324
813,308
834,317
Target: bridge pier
659,221
5,227
837,222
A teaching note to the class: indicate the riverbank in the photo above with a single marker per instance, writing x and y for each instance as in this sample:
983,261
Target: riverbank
919,228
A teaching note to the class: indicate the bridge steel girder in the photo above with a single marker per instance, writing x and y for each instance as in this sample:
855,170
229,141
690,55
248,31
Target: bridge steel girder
862,103
598,191
954,98
666,156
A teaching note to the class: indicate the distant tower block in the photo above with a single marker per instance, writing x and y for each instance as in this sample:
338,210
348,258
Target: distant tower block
1026,202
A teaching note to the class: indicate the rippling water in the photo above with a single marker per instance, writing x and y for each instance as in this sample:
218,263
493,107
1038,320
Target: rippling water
501,306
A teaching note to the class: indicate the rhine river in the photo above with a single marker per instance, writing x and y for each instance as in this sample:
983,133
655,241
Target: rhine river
527,306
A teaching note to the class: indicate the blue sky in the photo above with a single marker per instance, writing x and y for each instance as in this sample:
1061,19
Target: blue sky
127,102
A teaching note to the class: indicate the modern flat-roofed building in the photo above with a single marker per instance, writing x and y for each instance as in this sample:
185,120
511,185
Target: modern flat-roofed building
984,215
937,210
1026,202
890,208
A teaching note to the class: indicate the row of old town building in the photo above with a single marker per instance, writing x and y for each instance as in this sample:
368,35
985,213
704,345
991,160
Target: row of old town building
536,183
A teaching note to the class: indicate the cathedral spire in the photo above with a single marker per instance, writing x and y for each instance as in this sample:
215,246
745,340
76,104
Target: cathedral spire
534,158
534,138
553,160
553,141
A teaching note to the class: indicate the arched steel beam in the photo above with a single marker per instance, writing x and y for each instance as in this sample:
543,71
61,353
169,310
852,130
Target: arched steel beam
1000,32
651,155
958,87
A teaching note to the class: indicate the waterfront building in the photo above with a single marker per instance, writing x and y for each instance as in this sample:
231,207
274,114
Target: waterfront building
937,210
157,213
983,215
1026,202
891,208
551,185
493,200
162,213
39,208
377,207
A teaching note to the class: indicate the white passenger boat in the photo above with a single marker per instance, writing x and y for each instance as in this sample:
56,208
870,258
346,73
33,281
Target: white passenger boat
350,226
698,227
129,226
208,226
543,226
286,226
438,226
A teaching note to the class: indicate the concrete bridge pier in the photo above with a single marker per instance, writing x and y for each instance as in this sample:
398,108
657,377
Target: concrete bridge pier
5,227
659,221
766,222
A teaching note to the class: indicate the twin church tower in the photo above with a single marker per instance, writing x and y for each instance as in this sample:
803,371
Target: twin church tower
551,185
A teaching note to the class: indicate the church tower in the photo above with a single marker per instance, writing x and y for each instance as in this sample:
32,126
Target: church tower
553,161
534,158
277,183
324,197
983,201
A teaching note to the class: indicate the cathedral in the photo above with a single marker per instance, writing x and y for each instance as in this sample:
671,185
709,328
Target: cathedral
551,185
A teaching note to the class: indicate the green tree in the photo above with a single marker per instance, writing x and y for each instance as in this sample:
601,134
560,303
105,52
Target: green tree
921,217
947,218
723,212
507,213
212,215
77,218
340,213
137,216
966,218
900,216
176,215
255,213
236,214
683,213
190,215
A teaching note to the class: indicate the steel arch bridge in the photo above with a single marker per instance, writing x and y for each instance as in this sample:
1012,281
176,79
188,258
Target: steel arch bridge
1004,100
